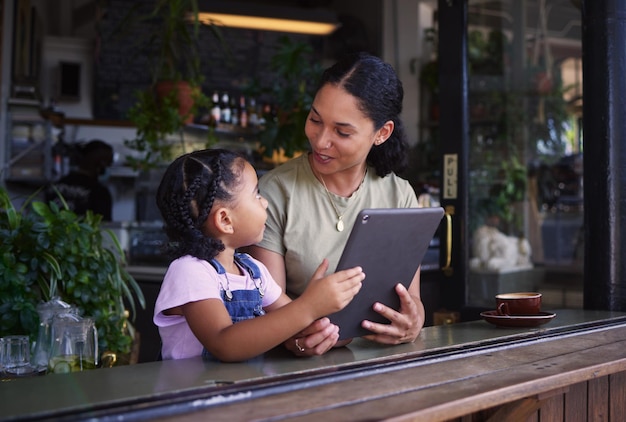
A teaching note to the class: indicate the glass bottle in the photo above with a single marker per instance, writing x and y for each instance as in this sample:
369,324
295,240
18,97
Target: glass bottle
41,347
234,110
216,111
226,112
243,112
253,116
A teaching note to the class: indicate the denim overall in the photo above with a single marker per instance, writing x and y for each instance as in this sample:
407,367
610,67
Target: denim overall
242,304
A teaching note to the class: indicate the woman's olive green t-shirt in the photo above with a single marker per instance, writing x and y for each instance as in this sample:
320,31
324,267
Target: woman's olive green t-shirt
301,223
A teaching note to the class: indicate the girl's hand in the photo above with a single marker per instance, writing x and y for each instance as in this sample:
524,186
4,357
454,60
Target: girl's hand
328,294
406,324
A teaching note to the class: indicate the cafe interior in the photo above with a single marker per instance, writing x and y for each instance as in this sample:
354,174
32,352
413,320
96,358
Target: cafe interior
493,110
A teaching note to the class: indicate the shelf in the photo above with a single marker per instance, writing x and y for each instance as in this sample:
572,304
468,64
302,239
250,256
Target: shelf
220,129
29,144
96,122
122,172
24,102
226,129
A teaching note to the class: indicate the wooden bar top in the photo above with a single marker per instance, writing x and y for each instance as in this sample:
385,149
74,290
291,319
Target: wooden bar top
447,372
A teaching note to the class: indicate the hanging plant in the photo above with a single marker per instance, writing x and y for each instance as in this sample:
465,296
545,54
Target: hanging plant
173,34
158,121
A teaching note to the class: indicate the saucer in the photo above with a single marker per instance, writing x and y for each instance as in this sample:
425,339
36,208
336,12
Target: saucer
517,320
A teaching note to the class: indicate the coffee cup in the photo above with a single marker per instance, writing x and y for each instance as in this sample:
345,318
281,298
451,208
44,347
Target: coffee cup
519,303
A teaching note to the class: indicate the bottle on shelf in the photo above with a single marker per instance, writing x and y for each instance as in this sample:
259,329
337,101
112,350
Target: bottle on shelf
261,115
269,112
234,111
216,111
243,112
253,115
226,111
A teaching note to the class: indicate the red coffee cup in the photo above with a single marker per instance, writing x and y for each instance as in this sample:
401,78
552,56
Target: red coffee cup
519,303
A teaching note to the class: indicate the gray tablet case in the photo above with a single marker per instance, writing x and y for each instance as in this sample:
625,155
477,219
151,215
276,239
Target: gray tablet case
389,244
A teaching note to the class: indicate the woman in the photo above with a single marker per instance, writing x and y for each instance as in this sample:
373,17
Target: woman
357,145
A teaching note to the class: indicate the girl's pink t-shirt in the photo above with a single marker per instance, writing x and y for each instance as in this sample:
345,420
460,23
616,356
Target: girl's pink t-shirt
189,279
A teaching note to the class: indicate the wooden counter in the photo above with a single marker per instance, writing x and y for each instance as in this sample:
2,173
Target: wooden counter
575,363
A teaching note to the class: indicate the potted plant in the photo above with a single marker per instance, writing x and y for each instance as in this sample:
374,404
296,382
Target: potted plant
508,191
175,93
48,251
295,81
158,120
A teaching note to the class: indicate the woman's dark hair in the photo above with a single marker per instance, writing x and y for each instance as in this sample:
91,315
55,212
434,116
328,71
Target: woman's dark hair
188,190
379,93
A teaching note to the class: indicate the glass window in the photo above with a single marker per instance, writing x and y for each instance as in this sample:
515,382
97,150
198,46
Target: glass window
525,164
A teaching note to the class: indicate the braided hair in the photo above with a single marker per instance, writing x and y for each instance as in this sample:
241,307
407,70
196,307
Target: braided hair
190,187
379,95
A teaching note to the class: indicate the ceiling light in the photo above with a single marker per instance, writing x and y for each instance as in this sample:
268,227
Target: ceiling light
266,18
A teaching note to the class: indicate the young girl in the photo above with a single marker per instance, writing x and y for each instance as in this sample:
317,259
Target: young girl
213,300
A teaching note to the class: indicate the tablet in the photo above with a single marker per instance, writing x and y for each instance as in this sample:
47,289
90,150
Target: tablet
389,244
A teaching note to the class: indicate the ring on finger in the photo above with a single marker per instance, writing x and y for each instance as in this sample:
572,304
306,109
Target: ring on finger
300,348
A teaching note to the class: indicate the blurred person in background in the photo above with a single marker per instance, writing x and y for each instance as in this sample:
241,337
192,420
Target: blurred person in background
82,187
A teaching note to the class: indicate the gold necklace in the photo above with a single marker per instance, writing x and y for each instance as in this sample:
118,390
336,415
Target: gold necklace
339,224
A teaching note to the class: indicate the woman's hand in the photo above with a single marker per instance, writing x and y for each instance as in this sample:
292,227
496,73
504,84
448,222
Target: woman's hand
406,323
315,340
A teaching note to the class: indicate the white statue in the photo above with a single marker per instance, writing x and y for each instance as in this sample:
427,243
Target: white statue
493,250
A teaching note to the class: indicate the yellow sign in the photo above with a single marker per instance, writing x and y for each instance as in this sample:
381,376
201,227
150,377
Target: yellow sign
450,175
